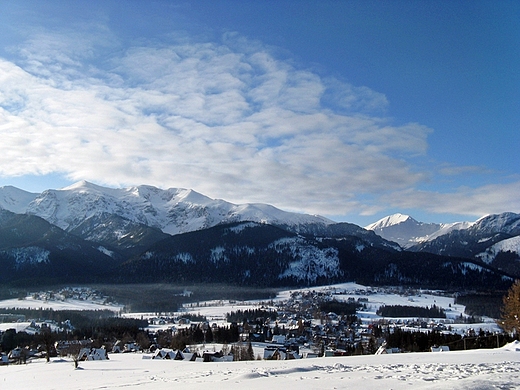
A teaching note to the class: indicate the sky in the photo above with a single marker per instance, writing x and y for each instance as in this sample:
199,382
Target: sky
353,110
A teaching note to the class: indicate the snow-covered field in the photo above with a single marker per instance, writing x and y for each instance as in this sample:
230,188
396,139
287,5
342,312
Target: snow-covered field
66,304
476,369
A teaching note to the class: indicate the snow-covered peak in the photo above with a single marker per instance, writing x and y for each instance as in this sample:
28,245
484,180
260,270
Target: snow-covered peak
175,210
407,232
80,185
391,220
14,199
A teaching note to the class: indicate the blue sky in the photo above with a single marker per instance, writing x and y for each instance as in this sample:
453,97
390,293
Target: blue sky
349,109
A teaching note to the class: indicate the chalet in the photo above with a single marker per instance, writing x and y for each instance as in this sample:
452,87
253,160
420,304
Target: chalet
275,353
4,359
442,348
279,339
92,354
168,354
15,353
190,356
209,356
118,347
131,347
19,355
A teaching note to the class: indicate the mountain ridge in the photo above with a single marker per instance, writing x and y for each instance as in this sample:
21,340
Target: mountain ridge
136,234
407,231
174,211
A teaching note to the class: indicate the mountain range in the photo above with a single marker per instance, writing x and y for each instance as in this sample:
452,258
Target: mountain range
494,239
87,232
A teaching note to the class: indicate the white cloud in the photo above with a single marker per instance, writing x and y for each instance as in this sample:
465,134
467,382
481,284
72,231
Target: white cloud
471,201
229,121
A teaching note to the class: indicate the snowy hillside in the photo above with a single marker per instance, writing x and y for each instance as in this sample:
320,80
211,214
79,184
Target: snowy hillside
173,211
511,245
505,223
15,200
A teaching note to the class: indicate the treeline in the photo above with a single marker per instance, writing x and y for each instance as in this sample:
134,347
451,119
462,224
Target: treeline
76,317
422,341
98,325
85,323
340,308
195,317
252,316
411,311
485,304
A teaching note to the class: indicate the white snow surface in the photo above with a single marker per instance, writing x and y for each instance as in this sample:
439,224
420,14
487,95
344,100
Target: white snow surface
446,228
65,304
509,245
476,369
175,210
390,220
15,199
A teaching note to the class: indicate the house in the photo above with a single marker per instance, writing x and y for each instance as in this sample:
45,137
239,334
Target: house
19,354
291,355
191,357
70,347
15,353
168,354
275,353
208,356
442,348
383,350
118,347
131,347
92,354
4,359
279,339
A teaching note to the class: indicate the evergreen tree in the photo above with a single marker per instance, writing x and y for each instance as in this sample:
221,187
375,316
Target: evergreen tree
250,352
510,320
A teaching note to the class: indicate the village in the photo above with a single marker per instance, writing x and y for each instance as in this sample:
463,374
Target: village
305,323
